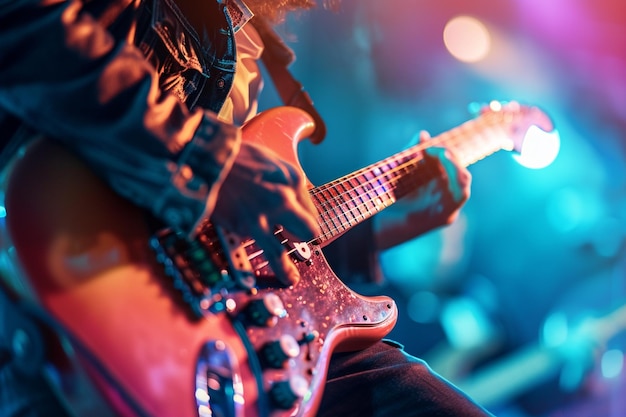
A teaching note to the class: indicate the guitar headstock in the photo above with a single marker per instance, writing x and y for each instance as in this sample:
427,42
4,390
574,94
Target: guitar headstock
528,131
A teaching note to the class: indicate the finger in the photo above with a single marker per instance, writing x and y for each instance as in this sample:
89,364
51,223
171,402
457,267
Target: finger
298,214
299,183
279,261
309,210
462,174
300,228
418,138
458,177
290,275
424,136
299,192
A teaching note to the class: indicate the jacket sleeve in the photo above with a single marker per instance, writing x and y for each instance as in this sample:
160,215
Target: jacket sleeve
65,75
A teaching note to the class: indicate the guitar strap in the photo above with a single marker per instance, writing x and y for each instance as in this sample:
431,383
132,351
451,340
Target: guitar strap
9,128
277,57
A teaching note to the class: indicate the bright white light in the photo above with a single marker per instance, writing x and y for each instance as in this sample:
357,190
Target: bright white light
539,148
495,106
467,39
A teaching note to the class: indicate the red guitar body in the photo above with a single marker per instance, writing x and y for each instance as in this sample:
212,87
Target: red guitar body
89,261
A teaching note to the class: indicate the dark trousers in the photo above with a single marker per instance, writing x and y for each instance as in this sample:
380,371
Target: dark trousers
384,380
380,381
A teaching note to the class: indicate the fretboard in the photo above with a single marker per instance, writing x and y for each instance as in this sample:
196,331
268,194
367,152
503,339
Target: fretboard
347,201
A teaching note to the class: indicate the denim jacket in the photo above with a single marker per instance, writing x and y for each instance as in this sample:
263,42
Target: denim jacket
134,91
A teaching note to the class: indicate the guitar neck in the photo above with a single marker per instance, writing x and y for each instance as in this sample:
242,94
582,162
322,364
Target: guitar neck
347,201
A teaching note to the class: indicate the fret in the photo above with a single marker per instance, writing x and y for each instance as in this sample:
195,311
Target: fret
391,175
484,137
474,140
327,224
401,174
464,148
351,208
412,174
349,200
338,204
374,190
331,209
383,169
366,204
335,212
491,144
369,192
345,202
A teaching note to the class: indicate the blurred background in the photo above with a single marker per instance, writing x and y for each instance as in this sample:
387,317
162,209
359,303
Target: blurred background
521,302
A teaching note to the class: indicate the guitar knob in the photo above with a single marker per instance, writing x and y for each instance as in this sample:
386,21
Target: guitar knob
266,310
285,393
274,354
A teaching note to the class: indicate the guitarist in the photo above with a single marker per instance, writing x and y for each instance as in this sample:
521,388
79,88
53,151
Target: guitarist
146,92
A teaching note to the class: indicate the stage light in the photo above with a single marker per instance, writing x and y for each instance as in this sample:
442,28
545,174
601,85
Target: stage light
612,363
466,324
540,148
467,39
555,330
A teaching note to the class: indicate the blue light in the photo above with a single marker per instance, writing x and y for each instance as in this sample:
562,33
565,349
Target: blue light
612,363
607,237
3,212
539,149
576,209
465,323
423,307
555,330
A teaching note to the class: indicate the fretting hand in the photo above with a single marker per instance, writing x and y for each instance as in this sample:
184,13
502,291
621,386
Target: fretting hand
435,204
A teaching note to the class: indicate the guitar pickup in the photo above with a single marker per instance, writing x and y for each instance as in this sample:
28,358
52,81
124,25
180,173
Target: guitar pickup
197,268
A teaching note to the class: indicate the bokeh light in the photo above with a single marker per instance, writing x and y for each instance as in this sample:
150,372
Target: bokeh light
612,363
539,149
467,39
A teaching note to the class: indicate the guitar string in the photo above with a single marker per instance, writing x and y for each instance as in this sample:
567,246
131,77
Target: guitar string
338,200
414,159
452,138
361,204
332,230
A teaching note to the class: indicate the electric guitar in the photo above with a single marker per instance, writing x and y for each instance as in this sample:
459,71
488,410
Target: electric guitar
160,325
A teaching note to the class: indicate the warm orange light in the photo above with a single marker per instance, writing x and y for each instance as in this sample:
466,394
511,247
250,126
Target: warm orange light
467,39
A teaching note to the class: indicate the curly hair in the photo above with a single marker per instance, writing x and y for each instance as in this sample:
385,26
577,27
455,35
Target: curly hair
275,10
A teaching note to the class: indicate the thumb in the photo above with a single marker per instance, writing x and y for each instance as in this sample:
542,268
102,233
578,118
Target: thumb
419,137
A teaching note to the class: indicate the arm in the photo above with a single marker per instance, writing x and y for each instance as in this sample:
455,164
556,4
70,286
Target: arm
64,74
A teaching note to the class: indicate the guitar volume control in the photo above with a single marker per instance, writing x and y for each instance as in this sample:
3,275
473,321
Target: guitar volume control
284,394
275,353
265,311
